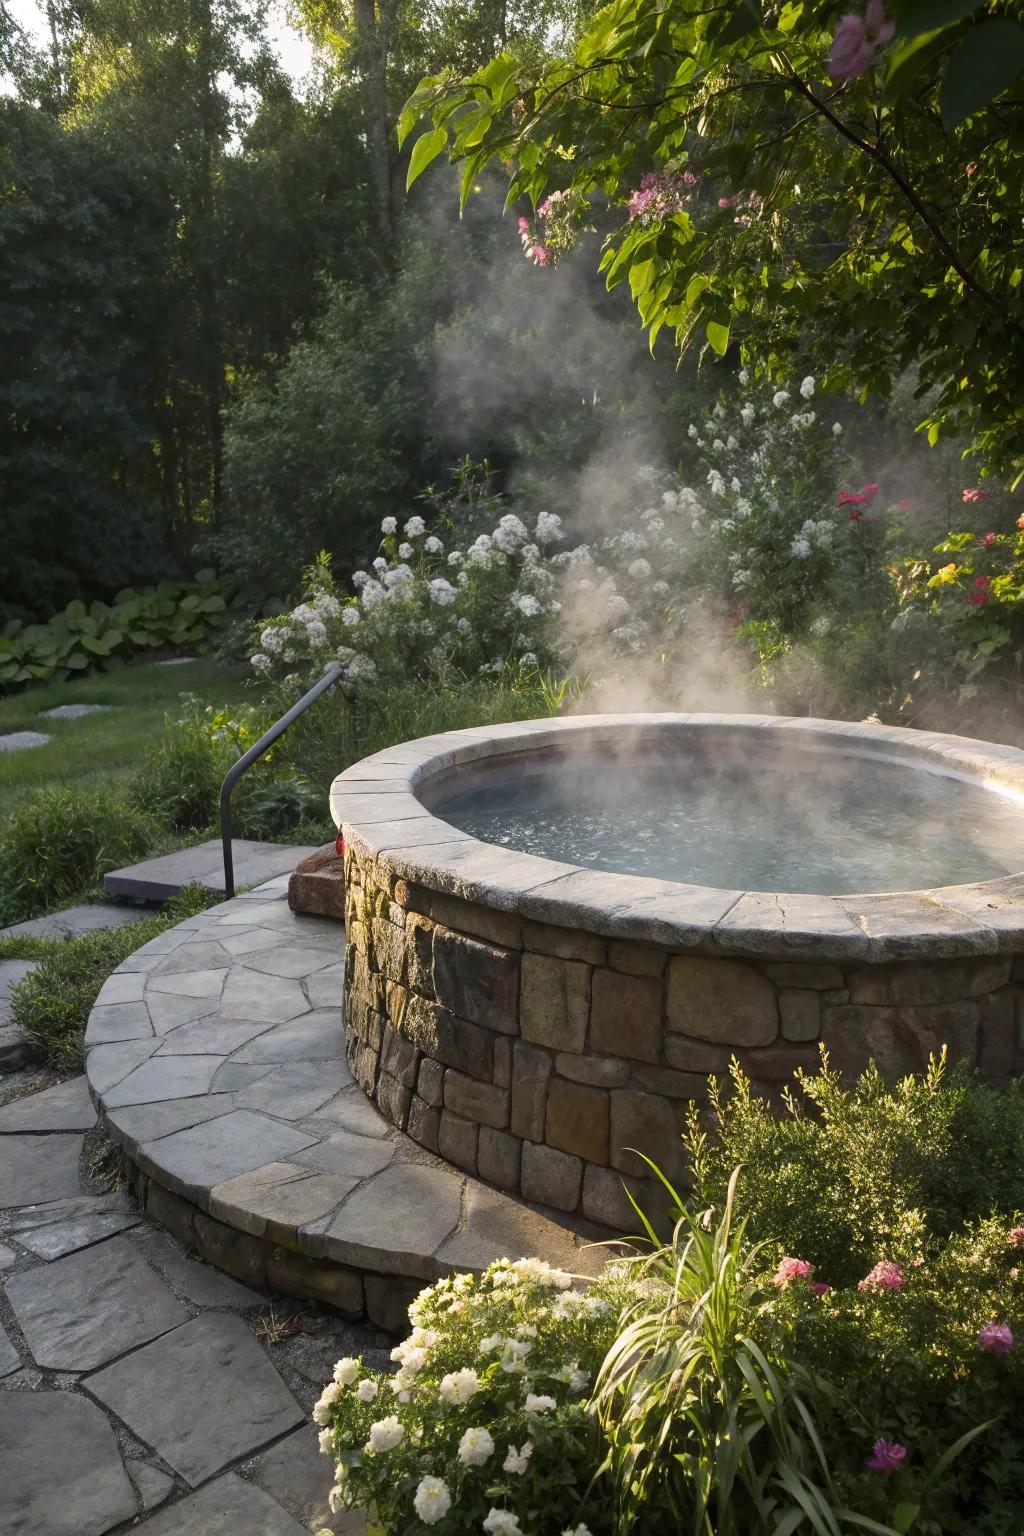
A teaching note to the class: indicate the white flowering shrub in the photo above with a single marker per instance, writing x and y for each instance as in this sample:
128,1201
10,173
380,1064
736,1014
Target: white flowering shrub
484,1427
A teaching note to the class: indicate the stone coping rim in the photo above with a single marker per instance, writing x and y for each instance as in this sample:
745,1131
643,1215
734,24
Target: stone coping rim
377,805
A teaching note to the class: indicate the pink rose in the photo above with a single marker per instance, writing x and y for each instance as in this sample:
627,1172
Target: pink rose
996,1338
886,1455
886,1276
790,1270
856,39
1015,1236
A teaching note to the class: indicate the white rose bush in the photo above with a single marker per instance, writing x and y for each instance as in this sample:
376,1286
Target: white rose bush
484,1427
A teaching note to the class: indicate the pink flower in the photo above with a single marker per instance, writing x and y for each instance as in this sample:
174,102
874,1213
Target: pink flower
996,1338
870,490
791,1269
976,495
851,499
539,256
820,1288
856,40
729,202
689,179
887,1455
524,225
978,598
660,194
886,1276
987,540
1015,1237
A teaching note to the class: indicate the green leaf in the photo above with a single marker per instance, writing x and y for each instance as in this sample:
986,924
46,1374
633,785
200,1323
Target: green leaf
97,647
75,610
427,148
987,61
904,1515
718,336
907,59
917,16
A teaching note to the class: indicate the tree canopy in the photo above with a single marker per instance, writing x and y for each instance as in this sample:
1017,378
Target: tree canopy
809,187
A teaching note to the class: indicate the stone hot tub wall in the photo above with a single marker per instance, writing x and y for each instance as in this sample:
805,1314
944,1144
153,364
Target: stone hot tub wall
535,1056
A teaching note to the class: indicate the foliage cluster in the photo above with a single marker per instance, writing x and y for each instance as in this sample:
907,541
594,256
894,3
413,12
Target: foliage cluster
788,178
53,1003
826,1343
173,614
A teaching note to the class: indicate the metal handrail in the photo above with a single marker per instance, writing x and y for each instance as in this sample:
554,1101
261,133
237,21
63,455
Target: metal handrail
247,759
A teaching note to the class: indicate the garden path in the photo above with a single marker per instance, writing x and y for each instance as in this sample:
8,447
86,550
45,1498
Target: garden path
133,1377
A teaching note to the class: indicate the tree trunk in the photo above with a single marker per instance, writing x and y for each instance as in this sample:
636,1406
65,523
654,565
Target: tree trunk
372,52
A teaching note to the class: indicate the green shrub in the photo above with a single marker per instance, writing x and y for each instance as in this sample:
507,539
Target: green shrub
174,614
60,842
850,1173
53,1003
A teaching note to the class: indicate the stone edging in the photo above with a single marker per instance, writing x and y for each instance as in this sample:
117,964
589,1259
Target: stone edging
215,1055
378,805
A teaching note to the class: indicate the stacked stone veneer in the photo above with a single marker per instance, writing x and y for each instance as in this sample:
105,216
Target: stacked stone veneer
543,1058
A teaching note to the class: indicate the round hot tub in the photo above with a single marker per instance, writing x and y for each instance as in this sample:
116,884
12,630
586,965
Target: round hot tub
557,929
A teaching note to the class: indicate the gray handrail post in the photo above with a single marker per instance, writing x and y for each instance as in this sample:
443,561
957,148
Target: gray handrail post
255,752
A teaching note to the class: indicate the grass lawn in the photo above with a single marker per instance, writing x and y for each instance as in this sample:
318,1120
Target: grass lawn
107,747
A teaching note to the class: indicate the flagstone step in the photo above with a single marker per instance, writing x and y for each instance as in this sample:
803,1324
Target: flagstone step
216,1057
158,878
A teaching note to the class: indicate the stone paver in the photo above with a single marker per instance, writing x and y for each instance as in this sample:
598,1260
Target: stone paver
199,1283
15,1049
73,711
85,1309
74,920
57,1238
299,1477
22,741
202,1396
206,1155
152,1486
164,1077
34,1168
229,1507
9,1359
156,879
67,1107
63,1474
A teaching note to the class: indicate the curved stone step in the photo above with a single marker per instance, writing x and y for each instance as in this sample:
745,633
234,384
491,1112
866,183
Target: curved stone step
215,1055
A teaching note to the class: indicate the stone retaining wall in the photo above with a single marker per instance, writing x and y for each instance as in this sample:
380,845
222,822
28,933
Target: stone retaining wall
537,1057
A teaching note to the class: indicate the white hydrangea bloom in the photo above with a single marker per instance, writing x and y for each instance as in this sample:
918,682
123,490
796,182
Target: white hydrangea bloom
325,1440
456,557
716,482
350,615
463,626
366,1391
513,1354
385,1434
433,545
718,445
744,376
691,430
502,1522
747,413
347,1371
528,659
405,551
527,604
510,533
389,525
414,527
327,605
837,429
807,387
517,1461
669,501
661,589
272,639
735,486
492,1342
361,670
616,607
399,576
441,592
380,564
259,662
800,547
459,1386
360,578
780,398
303,613
432,1500
316,634
577,1530
538,1403
548,529
639,569
475,1447
731,442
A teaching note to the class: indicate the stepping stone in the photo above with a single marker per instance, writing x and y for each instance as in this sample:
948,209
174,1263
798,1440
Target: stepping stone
21,741
57,1238
67,1107
314,1037
81,1311
151,1485
352,1111
156,879
205,1155
200,1283
201,1397
278,1199
324,990
9,1362
73,1209
176,661
111,1024
357,1157
397,1221
7,1256
212,1036
294,960
251,995
295,1474
62,1469
15,1048
148,1122
11,972
296,1089
35,1168
111,1064
164,1077
227,1507
73,711
75,920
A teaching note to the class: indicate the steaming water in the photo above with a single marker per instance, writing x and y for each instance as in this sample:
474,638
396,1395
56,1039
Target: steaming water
827,825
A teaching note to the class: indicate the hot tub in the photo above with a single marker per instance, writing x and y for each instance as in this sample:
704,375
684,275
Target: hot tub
557,929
